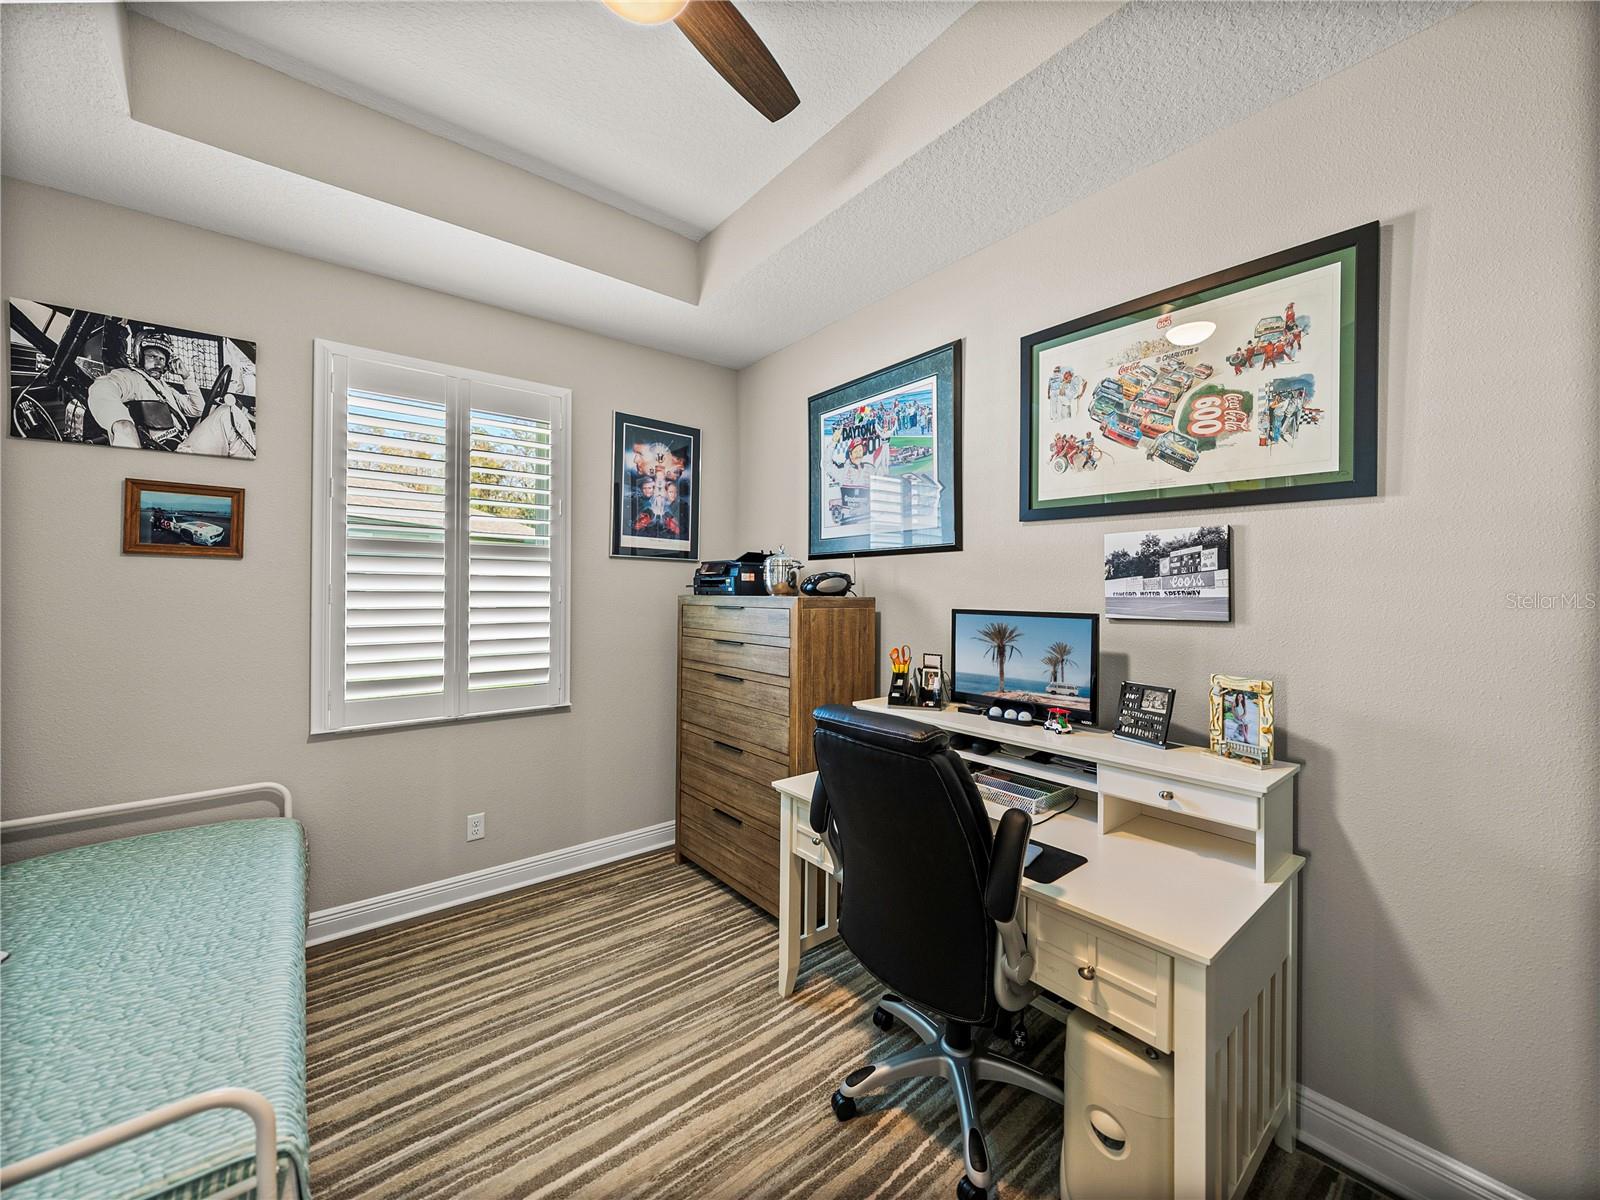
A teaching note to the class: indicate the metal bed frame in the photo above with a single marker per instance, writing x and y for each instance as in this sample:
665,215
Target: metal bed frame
253,1104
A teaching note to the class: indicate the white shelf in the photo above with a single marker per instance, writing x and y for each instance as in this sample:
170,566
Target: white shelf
1245,814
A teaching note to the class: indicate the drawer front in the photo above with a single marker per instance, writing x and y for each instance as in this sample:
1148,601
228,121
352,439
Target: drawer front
808,844
1213,804
739,853
732,752
730,616
737,653
748,689
761,728
756,803
1124,982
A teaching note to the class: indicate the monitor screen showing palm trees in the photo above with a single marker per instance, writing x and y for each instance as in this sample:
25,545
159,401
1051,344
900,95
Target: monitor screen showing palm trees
1044,660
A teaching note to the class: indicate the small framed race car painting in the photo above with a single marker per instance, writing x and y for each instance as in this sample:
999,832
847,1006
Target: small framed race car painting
187,519
1253,385
885,460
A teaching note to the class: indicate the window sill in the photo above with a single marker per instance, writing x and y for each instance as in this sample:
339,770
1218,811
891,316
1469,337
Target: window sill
388,726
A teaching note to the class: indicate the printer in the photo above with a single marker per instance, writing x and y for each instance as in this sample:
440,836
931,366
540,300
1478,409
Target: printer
742,576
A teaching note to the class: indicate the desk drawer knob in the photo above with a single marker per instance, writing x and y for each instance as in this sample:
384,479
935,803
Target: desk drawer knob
1165,794
816,839
1086,973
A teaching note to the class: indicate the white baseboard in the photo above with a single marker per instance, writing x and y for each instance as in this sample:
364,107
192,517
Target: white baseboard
329,924
1395,1162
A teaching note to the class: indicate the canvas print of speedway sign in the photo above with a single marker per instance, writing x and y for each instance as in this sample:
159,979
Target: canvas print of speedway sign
1253,385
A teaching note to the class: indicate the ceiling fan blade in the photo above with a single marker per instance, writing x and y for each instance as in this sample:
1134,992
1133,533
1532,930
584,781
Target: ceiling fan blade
725,39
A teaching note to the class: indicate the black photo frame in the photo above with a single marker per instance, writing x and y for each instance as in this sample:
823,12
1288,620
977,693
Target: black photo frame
852,454
1172,402
1137,719
655,489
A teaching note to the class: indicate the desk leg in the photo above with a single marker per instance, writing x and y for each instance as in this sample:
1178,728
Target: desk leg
1192,1083
1289,1127
791,902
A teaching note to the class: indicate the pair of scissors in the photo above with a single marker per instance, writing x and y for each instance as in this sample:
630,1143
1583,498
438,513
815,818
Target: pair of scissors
900,658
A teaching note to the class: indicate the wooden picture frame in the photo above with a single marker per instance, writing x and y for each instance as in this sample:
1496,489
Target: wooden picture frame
1240,705
1266,391
155,519
884,462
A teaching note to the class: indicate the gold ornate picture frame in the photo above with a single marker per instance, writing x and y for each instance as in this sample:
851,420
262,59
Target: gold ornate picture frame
1242,724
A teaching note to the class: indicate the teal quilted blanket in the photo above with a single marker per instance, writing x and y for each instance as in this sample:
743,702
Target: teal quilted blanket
144,970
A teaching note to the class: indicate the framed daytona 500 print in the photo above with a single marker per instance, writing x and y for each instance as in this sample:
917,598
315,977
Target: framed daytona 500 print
1253,385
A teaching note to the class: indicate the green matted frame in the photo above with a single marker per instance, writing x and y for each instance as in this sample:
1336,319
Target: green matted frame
1357,473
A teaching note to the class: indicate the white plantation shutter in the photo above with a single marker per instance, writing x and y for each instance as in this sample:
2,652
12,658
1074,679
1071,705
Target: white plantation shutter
440,575
510,576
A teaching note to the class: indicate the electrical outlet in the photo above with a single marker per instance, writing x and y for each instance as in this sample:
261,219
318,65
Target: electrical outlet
474,827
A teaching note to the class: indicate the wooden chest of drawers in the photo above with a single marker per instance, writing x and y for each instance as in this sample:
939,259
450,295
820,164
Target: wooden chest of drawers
750,671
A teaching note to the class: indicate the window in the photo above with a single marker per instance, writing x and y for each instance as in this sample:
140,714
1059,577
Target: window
439,586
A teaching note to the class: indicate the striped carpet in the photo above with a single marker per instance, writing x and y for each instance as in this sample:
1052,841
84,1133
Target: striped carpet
619,1034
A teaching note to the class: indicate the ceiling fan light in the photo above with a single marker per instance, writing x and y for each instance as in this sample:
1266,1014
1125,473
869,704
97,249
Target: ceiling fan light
647,12
1191,333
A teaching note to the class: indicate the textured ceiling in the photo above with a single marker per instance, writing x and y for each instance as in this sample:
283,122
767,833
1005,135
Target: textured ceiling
1136,87
625,113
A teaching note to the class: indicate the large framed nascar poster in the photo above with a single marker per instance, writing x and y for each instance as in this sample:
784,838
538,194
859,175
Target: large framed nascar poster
885,467
1254,385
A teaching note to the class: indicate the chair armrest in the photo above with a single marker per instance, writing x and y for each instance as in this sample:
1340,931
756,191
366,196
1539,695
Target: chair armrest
819,806
1005,865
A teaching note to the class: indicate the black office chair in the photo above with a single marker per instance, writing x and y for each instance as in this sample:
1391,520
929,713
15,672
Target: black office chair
929,901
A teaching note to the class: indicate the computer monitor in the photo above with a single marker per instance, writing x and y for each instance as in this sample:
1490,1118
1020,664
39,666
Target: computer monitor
1041,659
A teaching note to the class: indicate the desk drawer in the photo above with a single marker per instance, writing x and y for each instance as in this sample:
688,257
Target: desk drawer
731,848
730,616
756,803
809,844
737,653
1126,983
1212,804
731,751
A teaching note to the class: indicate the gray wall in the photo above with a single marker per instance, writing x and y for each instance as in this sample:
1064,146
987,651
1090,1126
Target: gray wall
128,676
1447,804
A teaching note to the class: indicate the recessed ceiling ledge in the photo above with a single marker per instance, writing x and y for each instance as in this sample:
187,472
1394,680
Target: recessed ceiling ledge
192,89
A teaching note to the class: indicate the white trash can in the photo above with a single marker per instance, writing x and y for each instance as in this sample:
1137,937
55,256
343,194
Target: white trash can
1118,1141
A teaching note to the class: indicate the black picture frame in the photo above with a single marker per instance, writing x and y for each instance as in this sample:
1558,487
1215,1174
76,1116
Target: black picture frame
1135,722
655,538
1356,474
827,538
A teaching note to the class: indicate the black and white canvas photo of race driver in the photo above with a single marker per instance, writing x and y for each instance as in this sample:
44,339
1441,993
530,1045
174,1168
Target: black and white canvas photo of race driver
99,380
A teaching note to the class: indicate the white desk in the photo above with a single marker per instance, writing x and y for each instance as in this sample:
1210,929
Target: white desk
1179,929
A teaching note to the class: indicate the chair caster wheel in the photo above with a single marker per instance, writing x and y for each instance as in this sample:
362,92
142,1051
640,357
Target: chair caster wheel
967,1190
883,1019
844,1108
1020,1041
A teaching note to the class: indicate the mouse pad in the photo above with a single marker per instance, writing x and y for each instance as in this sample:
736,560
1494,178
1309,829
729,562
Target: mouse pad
1051,864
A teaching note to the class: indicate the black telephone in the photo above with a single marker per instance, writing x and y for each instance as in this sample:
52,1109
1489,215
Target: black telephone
827,583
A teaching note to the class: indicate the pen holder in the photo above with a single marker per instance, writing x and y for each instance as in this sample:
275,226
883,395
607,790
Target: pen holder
902,689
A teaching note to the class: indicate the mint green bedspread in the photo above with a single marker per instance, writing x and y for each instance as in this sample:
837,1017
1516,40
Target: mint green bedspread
145,970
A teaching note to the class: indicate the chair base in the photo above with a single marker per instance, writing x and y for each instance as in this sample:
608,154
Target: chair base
952,1054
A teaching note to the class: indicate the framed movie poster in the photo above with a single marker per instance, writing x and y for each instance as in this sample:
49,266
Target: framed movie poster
655,512
1254,385
885,462
186,519
99,380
